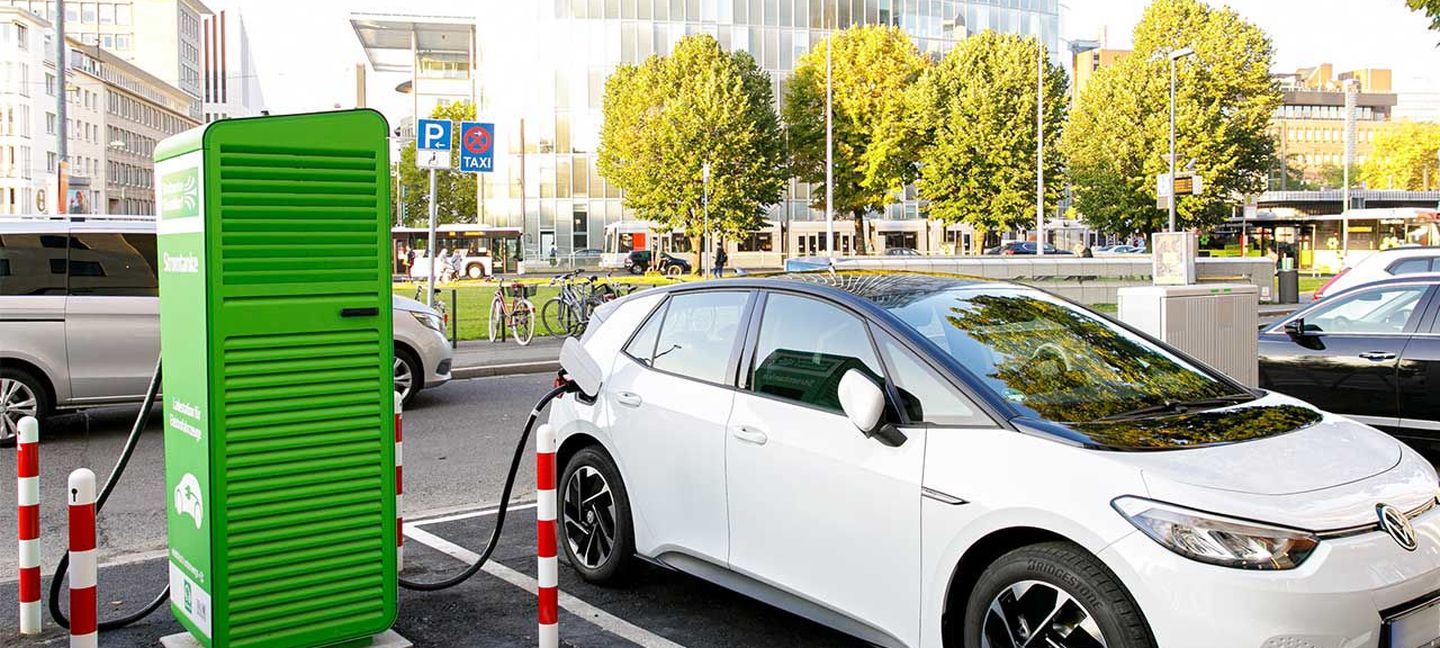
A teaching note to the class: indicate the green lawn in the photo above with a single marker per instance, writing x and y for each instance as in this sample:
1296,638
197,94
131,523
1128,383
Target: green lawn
469,303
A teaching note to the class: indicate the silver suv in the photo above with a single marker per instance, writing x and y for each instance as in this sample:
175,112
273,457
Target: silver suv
79,319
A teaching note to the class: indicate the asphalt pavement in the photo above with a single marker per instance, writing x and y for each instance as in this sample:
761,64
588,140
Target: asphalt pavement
459,439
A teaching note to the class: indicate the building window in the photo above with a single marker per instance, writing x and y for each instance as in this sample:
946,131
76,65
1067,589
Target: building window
122,14
50,121
87,13
580,228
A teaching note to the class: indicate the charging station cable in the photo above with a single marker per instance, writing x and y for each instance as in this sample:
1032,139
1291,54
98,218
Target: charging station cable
520,447
142,420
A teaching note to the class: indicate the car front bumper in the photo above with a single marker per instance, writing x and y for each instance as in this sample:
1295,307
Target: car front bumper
1338,598
437,356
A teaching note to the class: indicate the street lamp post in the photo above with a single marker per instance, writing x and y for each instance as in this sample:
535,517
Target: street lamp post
705,206
1039,147
1175,55
829,150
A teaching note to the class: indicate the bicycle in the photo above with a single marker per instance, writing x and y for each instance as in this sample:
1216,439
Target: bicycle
511,308
566,313
438,305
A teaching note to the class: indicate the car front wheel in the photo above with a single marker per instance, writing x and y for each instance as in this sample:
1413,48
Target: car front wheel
1052,594
409,379
595,525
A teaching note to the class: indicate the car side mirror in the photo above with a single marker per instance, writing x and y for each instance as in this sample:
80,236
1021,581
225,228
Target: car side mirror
864,403
1296,328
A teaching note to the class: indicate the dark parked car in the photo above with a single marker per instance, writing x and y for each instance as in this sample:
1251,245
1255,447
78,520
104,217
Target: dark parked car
901,251
1371,352
1023,247
639,262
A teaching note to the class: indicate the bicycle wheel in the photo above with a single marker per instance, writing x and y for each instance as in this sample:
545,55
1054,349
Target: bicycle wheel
552,316
523,322
497,320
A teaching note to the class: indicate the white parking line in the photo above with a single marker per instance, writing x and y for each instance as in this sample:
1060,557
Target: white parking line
604,620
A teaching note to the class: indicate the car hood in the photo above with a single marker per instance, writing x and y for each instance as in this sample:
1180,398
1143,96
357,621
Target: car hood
406,304
1329,475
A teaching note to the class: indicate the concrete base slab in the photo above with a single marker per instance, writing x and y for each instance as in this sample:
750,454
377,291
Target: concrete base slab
387,639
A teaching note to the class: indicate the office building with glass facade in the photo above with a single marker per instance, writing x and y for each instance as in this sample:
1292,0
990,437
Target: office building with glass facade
539,71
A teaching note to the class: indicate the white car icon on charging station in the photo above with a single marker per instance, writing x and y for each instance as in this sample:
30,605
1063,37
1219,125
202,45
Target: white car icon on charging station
187,499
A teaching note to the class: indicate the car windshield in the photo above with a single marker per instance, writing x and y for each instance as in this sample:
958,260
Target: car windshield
1060,362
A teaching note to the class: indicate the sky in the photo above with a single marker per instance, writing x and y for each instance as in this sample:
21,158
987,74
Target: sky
306,51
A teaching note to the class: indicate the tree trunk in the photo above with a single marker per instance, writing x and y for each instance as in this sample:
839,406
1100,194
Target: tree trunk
697,246
860,242
977,241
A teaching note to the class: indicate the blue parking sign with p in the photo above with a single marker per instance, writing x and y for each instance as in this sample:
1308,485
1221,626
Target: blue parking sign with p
477,147
434,135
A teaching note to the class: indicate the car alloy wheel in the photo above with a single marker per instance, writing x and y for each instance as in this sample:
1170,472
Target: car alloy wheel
1035,613
17,401
404,377
589,517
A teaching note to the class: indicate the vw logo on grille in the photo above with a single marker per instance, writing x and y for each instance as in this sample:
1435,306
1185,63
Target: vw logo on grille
1393,522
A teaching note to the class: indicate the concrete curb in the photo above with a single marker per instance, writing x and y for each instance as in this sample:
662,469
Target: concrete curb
512,369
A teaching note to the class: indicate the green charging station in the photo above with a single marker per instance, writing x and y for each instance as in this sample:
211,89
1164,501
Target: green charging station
275,315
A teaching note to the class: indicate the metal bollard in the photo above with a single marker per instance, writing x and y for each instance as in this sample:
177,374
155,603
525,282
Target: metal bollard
27,474
83,611
399,487
548,570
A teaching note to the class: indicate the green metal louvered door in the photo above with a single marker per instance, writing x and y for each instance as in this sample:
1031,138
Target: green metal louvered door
301,480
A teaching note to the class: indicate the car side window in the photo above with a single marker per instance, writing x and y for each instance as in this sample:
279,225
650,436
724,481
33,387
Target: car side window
32,265
926,397
113,265
804,348
1376,311
1411,266
698,333
642,346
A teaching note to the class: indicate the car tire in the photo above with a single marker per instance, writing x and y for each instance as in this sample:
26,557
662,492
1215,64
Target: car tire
407,364
585,517
1036,580
635,269
19,387
475,271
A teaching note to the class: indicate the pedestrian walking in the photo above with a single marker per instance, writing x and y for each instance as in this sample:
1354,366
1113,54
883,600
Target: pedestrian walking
720,259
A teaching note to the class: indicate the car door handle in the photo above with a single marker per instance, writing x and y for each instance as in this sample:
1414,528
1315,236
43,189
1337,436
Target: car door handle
630,399
1378,356
749,434
359,312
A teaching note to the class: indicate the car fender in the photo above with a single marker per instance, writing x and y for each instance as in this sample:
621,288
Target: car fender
60,388
1011,481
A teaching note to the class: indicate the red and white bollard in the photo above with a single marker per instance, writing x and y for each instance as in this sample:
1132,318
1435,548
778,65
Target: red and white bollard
83,631
399,488
27,474
546,506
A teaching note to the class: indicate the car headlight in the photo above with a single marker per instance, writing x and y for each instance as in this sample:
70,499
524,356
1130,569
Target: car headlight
430,321
1216,539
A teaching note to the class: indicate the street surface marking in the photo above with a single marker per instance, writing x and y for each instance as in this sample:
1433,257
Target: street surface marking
604,620
468,514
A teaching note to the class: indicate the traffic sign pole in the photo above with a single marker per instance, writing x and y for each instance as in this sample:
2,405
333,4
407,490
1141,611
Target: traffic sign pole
430,246
433,137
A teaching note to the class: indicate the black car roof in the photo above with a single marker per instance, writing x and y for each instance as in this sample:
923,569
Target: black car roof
881,288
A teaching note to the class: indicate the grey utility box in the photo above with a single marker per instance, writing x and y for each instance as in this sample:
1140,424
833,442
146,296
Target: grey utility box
1214,323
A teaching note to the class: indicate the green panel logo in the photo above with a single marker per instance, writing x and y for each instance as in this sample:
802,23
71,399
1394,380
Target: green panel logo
180,194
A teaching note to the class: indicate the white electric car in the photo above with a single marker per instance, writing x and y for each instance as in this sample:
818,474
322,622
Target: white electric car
924,460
